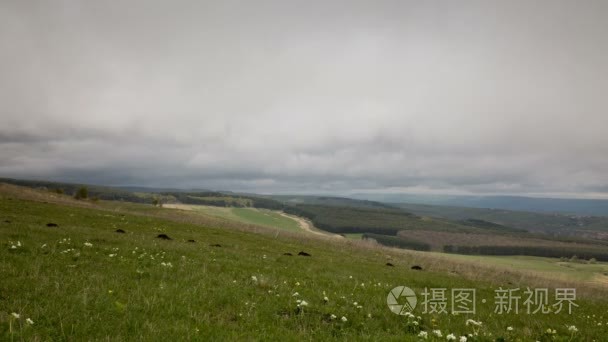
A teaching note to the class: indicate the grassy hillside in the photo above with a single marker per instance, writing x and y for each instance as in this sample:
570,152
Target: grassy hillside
261,217
83,281
551,267
450,230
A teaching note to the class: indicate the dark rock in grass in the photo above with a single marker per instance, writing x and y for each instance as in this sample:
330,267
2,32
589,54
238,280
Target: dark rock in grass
120,231
163,237
7,221
191,241
215,245
389,264
417,268
303,254
288,254
50,224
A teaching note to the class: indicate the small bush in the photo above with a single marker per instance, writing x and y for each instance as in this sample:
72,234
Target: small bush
82,193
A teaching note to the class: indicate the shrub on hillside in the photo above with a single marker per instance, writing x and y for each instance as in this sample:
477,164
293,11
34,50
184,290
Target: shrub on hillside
81,193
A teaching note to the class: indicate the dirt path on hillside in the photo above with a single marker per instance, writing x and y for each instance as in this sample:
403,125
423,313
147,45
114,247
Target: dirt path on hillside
600,279
178,206
307,226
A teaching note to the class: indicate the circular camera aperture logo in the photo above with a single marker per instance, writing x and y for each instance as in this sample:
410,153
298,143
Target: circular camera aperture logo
401,300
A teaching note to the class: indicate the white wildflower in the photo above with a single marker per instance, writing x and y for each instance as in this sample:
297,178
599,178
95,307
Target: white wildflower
16,315
333,316
88,244
423,334
437,333
451,337
325,299
572,329
29,321
254,279
295,294
344,319
509,328
463,339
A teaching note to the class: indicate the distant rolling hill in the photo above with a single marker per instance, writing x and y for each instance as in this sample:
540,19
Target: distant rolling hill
547,223
590,207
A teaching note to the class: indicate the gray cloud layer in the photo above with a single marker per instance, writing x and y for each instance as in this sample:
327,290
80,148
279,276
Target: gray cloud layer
467,96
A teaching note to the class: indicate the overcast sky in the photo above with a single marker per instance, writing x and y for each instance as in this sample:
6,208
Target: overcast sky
507,97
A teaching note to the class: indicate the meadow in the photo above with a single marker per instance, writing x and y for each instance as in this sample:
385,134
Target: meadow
549,267
81,280
261,217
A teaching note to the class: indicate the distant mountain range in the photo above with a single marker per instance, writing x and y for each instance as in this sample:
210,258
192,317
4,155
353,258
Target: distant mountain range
584,207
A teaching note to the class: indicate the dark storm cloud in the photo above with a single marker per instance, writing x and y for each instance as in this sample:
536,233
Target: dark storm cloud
327,96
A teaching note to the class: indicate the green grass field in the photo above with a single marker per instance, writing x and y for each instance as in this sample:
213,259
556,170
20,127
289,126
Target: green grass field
261,217
83,281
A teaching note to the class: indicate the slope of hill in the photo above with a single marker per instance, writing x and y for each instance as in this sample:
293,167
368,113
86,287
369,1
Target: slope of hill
81,280
261,217
373,221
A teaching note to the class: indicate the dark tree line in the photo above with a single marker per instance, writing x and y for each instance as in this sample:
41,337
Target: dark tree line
549,252
345,220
